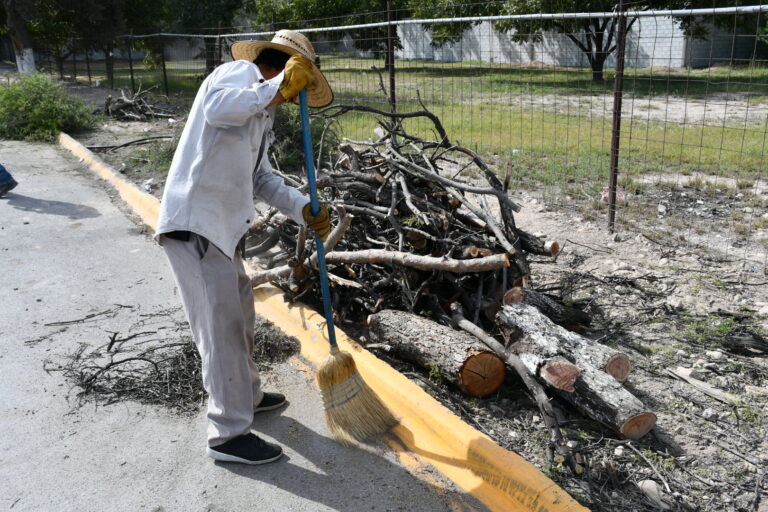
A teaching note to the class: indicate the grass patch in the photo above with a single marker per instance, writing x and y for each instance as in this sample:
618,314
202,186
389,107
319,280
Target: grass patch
492,108
710,330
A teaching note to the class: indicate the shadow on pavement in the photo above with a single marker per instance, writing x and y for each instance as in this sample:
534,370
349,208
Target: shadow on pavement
345,478
70,210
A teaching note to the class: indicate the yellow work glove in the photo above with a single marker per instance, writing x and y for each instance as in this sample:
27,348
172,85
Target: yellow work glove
321,223
298,75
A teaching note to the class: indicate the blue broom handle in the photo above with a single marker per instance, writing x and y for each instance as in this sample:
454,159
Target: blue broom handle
315,206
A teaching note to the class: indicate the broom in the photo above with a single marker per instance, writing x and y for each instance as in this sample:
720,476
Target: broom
352,410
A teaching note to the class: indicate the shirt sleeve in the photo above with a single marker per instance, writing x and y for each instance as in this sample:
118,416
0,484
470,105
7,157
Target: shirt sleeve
273,190
233,98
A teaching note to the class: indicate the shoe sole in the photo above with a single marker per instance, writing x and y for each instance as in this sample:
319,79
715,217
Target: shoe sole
224,457
271,407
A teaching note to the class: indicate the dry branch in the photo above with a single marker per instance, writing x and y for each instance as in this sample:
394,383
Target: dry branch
420,262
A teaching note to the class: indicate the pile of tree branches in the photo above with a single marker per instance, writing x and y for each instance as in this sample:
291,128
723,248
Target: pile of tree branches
410,235
427,260
137,107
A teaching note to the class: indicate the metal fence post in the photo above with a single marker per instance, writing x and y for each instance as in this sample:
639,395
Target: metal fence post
130,63
391,55
618,90
162,58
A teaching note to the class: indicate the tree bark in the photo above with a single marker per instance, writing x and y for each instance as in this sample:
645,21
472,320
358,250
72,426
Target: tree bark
210,55
571,318
534,245
22,43
600,397
417,261
542,338
456,356
534,388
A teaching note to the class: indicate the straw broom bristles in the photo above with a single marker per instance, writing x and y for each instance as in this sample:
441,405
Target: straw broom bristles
352,410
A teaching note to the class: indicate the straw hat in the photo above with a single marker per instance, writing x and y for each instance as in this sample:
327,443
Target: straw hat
319,93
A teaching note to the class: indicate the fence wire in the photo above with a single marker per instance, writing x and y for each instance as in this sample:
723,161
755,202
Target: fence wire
537,103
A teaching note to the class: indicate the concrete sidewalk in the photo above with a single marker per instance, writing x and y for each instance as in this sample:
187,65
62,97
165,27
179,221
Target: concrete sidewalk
68,251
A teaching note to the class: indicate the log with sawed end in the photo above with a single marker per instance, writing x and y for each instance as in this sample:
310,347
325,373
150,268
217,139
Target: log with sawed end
458,357
597,394
571,318
600,397
543,337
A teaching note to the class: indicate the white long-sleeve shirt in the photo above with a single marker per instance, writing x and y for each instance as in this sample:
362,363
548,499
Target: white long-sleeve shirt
211,183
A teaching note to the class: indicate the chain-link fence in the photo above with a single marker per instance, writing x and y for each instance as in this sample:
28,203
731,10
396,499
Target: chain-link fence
535,95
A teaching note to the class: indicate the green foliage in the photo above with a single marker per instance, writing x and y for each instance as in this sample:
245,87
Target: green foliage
36,108
444,33
288,147
155,158
434,372
298,14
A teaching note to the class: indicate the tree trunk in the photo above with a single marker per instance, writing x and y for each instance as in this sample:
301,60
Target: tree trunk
211,55
456,356
571,318
109,64
597,63
60,66
525,323
22,43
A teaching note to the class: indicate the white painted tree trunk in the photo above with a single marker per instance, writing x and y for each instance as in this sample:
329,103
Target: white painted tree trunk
25,62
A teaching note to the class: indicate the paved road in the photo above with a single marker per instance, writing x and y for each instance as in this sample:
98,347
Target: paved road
67,252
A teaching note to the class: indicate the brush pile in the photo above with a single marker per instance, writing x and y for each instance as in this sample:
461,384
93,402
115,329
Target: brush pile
137,107
427,256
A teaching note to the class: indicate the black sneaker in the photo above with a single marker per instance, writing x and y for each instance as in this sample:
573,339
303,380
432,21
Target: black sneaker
247,449
271,401
7,187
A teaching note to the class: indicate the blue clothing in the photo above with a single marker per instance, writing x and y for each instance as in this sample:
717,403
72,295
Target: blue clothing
5,176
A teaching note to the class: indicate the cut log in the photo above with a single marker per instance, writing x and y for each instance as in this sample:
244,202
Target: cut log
570,318
595,393
458,357
600,397
534,387
534,245
544,339
546,361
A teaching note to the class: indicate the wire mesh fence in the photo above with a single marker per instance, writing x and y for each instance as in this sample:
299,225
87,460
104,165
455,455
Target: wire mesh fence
534,94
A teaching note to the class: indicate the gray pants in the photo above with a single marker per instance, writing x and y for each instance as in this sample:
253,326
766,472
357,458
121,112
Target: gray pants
218,300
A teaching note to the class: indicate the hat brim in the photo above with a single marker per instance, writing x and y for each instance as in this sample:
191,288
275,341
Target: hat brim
319,93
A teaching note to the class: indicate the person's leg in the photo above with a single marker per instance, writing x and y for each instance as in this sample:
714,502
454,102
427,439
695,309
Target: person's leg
262,401
249,317
5,176
210,291
7,183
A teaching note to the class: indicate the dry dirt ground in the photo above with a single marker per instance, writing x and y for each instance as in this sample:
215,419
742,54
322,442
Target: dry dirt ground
669,297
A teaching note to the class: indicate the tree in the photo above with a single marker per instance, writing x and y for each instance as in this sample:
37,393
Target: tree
198,16
594,37
278,14
22,42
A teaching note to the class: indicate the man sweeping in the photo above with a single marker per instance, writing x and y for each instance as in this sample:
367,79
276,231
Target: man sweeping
220,165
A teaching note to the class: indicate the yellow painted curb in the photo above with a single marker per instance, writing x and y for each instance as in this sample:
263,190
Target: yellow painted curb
144,205
500,479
